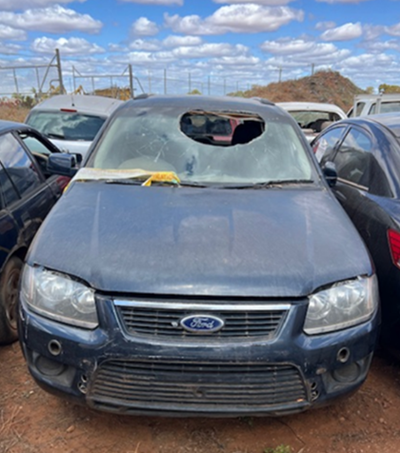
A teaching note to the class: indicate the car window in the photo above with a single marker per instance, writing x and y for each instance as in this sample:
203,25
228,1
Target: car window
259,150
356,163
353,158
66,125
324,146
19,174
359,108
35,145
387,107
372,109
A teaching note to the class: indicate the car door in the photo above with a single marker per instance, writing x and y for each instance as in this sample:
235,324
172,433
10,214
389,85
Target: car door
26,195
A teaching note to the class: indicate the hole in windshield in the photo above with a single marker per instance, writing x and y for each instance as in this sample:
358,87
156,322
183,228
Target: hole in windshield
221,129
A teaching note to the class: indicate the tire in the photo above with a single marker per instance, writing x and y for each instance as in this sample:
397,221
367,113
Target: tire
9,283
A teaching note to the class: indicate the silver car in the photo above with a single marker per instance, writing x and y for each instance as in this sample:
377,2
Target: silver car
72,121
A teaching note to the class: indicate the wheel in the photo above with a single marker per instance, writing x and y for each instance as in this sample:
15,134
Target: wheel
9,283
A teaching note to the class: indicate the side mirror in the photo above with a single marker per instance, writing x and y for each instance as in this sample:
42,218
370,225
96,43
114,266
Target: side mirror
62,164
330,173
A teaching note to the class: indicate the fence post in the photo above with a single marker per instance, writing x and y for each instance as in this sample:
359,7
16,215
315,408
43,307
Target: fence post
60,79
131,81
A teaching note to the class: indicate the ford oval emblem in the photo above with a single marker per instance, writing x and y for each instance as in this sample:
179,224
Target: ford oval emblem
202,324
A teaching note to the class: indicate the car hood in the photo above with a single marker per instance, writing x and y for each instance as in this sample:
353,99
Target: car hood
193,241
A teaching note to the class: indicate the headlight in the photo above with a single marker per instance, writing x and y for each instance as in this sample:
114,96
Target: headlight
58,297
343,305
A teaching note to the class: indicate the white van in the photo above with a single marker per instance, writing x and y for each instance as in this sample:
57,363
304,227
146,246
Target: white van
369,104
72,121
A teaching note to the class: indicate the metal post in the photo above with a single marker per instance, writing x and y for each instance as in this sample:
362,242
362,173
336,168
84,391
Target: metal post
38,82
280,74
60,79
131,81
73,78
224,86
149,82
312,68
16,81
92,84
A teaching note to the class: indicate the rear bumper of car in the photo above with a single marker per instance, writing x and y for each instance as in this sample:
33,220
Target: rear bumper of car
108,369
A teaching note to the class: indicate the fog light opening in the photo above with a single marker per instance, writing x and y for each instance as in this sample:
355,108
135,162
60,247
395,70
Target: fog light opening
314,391
54,347
84,378
343,355
49,367
348,373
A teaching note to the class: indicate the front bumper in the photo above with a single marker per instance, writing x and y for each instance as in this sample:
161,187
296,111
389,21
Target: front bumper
110,369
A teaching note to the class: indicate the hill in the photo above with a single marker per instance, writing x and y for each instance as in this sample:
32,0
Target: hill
323,86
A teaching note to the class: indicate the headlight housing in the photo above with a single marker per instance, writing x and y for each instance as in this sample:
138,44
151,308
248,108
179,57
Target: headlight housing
345,304
59,297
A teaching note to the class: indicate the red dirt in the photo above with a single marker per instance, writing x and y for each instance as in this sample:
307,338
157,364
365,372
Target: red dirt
33,421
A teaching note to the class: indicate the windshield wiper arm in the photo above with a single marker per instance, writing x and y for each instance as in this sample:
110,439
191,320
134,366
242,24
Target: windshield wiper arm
267,184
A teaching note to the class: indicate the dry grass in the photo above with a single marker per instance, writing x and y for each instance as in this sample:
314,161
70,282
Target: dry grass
12,113
323,86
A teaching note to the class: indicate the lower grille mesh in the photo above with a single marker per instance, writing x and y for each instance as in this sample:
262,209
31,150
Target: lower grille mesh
196,386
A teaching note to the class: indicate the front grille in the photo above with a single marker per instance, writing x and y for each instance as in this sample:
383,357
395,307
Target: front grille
163,320
187,386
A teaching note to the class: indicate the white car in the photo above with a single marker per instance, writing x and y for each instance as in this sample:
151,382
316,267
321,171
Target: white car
72,121
313,117
371,104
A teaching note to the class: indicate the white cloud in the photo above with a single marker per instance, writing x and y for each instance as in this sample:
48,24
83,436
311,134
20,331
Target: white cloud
155,2
239,18
394,30
393,44
236,62
14,5
9,49
322,26
12,34
146,46
257,2
345,32
71,46
55,19
144,27
296,51
176,41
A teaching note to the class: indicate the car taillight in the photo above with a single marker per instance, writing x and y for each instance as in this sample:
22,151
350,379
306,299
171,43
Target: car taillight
394,244
68,110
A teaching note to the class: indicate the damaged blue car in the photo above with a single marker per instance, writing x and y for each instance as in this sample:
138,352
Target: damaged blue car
184,275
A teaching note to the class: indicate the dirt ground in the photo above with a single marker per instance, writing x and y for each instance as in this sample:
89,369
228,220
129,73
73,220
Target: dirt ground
33,421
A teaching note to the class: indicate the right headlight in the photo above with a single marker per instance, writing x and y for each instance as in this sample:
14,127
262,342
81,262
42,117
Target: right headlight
58,296
343,305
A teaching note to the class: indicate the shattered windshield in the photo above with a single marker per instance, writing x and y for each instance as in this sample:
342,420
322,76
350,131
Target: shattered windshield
204,146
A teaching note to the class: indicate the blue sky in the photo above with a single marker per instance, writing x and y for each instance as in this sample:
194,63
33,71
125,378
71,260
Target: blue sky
216,46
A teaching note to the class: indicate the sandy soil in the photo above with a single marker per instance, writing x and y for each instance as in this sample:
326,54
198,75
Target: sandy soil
33,421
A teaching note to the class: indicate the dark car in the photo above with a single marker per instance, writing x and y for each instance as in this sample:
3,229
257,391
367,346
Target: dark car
177,275
366,152
28,192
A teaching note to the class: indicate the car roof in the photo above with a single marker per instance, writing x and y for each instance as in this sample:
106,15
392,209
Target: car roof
183,103
100,105
390,121
12,125
318,106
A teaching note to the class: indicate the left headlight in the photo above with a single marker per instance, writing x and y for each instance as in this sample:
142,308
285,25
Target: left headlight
343,305
59,297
